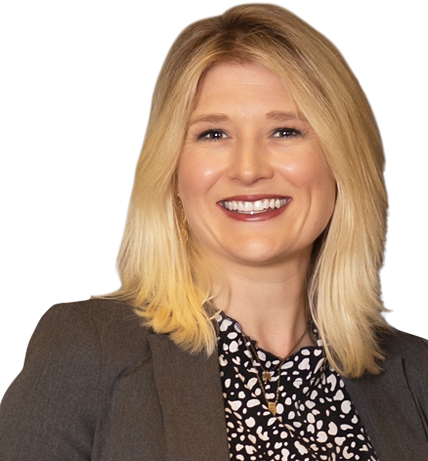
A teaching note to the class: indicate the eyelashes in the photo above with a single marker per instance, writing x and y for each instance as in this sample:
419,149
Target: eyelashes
215,135
211,135
286,133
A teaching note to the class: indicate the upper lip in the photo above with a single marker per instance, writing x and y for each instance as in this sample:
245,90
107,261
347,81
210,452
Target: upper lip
253,197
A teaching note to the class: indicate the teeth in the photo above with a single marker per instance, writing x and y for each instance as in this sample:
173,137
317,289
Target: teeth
258,206
248,206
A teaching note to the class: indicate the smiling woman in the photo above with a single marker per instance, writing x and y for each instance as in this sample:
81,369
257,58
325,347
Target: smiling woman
249,321
252,177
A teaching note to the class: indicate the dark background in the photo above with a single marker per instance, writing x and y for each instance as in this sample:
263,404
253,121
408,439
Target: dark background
77,99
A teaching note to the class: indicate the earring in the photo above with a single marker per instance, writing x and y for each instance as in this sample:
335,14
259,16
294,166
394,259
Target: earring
182,220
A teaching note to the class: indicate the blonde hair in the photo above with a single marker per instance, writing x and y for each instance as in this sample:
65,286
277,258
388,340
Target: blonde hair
167,278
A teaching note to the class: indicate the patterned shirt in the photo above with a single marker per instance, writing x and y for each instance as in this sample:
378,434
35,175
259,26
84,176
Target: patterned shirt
315,418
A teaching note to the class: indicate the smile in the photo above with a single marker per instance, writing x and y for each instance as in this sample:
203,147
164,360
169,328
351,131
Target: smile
256,206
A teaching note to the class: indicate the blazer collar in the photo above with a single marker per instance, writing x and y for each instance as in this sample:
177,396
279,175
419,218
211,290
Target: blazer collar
390,413
190,395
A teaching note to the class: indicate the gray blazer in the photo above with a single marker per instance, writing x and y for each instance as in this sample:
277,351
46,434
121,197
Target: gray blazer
98,386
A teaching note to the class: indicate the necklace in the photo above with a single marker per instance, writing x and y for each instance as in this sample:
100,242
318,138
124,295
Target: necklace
267,375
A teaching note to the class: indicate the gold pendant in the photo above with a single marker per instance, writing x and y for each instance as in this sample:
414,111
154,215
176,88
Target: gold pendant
272,407
266,376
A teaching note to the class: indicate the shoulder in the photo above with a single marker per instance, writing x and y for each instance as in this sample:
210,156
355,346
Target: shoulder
83,344
96,327
106,316
393,404
78,355
409,348
403,370
412,354
100,314
403,377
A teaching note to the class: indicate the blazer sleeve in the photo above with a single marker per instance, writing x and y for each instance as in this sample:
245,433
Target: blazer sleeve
49,412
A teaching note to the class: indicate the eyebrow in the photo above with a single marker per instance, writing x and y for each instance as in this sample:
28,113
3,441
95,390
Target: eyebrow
281,116
277,115
209,118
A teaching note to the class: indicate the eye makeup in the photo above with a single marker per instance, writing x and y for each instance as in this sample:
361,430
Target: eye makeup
216,134
211,135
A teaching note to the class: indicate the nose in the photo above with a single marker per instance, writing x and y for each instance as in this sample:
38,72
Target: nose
249,162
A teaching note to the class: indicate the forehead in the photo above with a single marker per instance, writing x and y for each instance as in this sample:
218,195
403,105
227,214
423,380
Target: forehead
248,74
235,83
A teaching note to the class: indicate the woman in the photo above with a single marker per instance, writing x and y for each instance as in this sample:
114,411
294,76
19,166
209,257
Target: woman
248,325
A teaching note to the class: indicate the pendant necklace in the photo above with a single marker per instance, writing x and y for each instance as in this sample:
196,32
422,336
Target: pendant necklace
267,375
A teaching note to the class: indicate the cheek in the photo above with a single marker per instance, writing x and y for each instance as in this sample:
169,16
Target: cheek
323,196
314,182
196,175
308,172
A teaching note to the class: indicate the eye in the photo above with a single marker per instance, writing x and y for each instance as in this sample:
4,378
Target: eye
212,135
286,133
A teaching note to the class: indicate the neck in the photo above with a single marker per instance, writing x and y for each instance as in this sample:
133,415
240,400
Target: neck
270,304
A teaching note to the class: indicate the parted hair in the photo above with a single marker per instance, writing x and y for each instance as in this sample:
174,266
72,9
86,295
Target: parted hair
166,276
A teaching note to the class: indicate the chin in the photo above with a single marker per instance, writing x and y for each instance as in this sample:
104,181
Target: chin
260,255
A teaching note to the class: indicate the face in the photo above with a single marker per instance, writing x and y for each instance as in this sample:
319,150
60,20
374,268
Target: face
252,177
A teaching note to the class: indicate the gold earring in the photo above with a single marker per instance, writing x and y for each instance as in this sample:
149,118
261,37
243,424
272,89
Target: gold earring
182,220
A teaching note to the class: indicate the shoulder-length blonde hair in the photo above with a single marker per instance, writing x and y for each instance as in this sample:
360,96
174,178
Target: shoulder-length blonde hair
167,278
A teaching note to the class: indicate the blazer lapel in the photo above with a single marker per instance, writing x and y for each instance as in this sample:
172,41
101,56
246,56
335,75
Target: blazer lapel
389,413
190,395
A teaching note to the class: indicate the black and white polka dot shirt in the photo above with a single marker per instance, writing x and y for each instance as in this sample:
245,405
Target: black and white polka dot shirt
315,418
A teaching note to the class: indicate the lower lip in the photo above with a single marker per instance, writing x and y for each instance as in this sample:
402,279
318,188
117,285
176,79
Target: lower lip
257,217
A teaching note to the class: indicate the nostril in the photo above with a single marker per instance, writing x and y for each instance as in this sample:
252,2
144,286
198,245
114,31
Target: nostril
250,165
